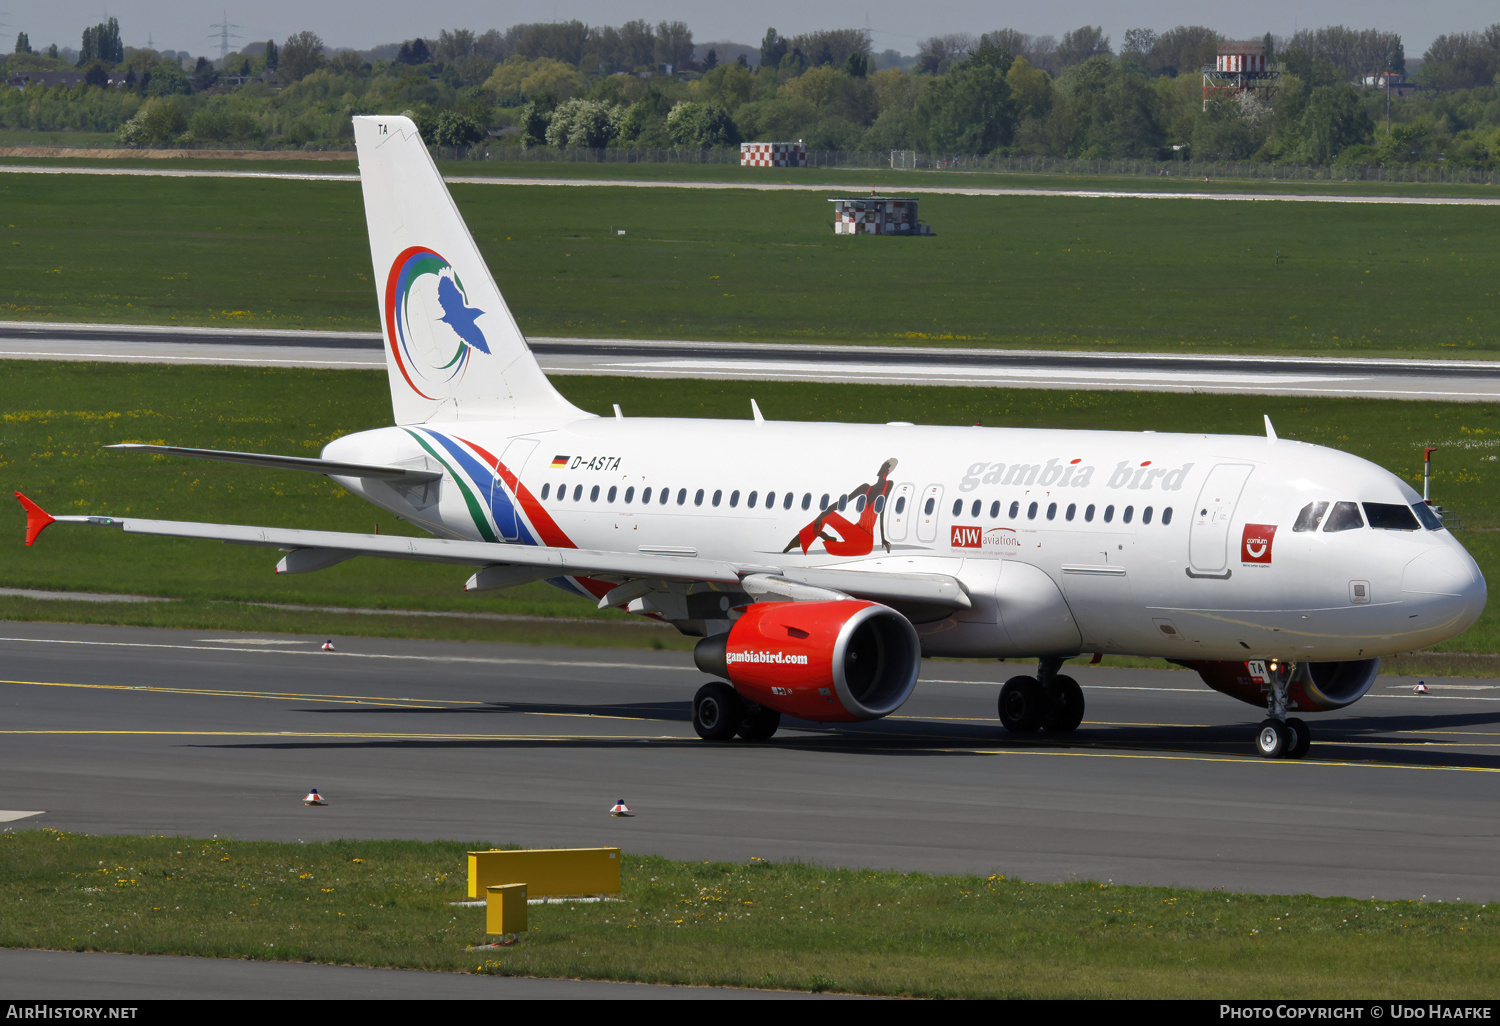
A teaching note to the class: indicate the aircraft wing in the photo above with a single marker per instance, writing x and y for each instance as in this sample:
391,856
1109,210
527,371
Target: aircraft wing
308,463
502,565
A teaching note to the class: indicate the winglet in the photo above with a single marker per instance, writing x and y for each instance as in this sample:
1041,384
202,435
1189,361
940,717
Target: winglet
36,518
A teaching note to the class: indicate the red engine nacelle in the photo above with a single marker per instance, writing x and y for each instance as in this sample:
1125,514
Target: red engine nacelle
829,662
1317,687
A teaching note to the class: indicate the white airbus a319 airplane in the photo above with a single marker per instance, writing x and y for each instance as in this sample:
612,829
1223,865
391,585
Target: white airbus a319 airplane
820,562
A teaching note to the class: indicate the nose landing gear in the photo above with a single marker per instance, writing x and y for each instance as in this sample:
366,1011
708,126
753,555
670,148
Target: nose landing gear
1279,735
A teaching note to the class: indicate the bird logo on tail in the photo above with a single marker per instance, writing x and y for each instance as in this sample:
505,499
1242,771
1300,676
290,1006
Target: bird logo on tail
422,290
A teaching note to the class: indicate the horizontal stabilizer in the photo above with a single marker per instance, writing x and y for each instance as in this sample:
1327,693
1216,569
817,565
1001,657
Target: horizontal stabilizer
307,463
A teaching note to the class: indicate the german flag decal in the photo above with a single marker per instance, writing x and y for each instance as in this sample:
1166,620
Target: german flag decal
559,463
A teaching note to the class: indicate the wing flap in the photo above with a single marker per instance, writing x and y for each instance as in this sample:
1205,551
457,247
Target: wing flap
891,588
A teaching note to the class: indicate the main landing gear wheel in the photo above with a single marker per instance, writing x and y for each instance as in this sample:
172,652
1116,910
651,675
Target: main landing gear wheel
1303,738
1023,705
1067,706
758,723
1274,739
717,711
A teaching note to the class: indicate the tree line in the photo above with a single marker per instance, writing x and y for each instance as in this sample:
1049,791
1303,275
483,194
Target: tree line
569,84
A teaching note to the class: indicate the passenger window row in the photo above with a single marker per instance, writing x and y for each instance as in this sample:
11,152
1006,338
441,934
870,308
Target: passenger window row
1013,512
1382,516
652,495
755,499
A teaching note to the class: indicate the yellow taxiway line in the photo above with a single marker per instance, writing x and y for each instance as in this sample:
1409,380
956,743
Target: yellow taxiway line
865,739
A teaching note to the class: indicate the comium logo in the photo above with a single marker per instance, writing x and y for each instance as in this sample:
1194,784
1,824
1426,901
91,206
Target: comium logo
429,325
1255,543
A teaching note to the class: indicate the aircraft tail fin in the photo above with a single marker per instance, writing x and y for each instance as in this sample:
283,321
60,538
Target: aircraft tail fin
452,349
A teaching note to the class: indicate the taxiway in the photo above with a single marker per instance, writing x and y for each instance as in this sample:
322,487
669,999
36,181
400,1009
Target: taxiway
123,730
1446,380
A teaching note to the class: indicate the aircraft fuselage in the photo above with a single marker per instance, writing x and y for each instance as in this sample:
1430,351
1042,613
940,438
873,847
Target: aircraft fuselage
1183,546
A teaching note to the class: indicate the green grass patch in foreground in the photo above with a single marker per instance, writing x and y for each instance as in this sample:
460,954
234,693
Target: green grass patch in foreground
744,924
635,632
1005,271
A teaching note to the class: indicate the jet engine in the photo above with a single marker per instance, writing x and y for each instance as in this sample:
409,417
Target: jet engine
1316,687
831,662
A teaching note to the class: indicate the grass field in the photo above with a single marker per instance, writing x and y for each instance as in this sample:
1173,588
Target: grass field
1124,274
748,923
63,140
55,417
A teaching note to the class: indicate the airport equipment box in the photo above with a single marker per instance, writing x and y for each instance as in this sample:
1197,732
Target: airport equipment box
547,872
876,215
773,154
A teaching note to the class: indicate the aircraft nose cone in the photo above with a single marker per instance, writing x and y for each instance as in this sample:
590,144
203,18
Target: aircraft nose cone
1437,572
1448,578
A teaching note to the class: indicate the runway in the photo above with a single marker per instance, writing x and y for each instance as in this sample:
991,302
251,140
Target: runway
74,976
955,187
1444,380
124,730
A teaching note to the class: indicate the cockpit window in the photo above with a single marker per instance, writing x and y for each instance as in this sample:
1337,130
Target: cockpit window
1430,520
1310,517
1391,516
1345,517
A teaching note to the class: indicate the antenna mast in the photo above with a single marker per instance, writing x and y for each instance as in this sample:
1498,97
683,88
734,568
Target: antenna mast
224,34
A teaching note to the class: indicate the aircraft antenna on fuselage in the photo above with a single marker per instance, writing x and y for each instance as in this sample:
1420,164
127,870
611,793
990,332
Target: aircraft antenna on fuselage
452,349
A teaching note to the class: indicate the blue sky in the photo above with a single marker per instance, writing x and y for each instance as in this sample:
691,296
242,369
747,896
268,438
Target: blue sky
895,24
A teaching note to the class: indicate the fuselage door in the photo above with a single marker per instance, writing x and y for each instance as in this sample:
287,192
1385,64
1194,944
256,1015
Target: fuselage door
899,511
514,458
1208,537
927,512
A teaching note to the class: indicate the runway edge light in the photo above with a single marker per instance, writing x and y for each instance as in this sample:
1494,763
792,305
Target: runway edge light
328,645
314,798
621,809
1420,689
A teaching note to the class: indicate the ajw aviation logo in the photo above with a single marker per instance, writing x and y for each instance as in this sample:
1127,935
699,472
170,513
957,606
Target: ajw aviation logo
996,539
421,290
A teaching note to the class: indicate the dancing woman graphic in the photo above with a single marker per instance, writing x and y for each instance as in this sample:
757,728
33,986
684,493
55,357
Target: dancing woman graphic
851,538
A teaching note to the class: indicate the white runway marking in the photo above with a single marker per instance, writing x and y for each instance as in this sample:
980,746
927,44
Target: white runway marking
930,190
250,649
80,596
